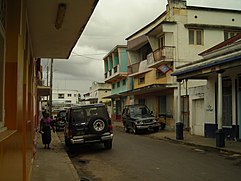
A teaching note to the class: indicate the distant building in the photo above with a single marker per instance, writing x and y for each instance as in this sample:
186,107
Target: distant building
97,94
116,71
65,97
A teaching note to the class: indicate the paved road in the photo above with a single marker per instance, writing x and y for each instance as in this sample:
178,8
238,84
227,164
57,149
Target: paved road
138,157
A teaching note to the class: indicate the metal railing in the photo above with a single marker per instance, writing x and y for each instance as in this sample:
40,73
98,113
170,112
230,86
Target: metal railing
161,54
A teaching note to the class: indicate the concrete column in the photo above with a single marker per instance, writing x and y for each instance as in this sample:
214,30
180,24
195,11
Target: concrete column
179,102
179,124
233,101
220,135
220,100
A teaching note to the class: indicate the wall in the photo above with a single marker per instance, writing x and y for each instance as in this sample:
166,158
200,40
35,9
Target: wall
16,140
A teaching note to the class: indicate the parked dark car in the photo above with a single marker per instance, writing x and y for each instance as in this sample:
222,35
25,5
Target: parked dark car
139,118
88,124
60,120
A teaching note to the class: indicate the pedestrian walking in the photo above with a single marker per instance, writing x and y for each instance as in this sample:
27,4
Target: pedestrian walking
45,129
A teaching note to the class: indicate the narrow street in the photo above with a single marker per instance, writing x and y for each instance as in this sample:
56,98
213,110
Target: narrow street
138,157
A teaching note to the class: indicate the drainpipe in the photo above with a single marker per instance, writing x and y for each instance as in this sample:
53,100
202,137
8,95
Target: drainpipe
51,88
179,124
220,135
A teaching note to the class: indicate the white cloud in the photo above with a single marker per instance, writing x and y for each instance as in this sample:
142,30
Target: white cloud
110,24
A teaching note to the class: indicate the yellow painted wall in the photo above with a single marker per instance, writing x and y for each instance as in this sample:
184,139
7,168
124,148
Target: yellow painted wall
16,143
150,79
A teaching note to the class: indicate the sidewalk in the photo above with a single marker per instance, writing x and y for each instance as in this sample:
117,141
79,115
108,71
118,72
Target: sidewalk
233,147
53,164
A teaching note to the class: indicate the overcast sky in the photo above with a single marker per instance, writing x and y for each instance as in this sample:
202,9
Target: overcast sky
110,24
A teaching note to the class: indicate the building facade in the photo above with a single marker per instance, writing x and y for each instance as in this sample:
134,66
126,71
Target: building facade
174,39
115,66
99,93
65,96
216,105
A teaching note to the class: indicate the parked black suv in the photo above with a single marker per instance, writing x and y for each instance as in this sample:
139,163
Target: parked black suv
139,117
88,124
59,121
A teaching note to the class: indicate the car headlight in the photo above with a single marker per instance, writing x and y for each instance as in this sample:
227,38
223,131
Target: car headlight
139,122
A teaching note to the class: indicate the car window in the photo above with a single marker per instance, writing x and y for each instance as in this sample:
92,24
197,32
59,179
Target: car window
62,114
96,111
139,110
78,116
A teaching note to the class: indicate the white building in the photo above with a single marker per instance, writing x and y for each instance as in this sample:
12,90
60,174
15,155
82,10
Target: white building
175,39
65,96
216,105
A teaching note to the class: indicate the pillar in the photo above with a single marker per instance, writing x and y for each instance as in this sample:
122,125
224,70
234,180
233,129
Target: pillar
220,135
179,124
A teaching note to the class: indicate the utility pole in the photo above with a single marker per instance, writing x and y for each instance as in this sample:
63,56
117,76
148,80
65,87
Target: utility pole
47,76
51,86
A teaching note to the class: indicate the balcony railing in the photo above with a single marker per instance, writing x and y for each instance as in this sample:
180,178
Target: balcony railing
164,54
115,69
112,73
134,68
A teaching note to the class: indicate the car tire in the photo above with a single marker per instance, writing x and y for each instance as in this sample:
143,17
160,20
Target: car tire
98,125
135,129
126,129
108,144
156,129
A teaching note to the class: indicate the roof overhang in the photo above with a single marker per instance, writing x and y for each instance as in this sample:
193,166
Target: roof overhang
55,26
152,89
43,91
136,43
204,70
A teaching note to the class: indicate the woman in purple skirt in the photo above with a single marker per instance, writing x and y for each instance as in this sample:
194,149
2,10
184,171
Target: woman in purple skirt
45,128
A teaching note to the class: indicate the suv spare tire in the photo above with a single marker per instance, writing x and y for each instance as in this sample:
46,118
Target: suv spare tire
98,125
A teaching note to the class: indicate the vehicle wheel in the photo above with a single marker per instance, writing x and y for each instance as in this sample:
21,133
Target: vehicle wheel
67,143
127,130
156,129
108,144
98,125
135,129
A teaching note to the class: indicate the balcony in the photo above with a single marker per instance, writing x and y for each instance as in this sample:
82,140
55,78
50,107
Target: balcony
138,68
159,56
114,74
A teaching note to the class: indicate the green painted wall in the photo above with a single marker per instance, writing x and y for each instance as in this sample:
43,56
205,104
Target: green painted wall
122,88
123,60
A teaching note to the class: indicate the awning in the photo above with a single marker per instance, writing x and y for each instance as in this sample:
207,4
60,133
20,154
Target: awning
139,73
43,91
204,69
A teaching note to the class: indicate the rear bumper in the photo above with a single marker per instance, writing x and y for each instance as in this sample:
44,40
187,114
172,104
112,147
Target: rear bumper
91,138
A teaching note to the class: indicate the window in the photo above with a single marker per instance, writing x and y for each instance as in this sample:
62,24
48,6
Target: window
118,84
195,37
227,102
61,96
159,74
124,82
141,80
145,50
113,86
161,42
69,95
229,34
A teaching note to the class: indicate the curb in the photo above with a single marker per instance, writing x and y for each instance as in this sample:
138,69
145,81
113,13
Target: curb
204,147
